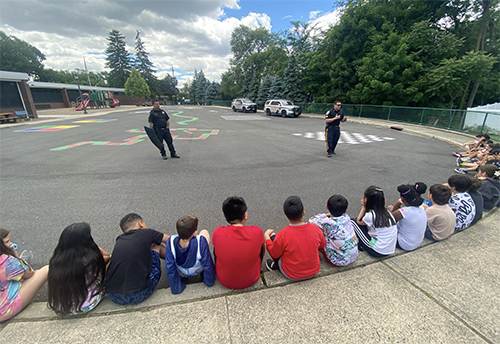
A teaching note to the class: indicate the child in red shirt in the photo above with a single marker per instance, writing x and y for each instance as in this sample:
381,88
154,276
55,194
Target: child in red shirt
238,249
295,248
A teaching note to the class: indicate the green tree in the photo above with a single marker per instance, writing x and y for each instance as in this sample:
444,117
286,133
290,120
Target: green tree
212,92
136,86
19,56
168,87
201,87
293,81
117,59
277,89
68,77
453,75
229,85
144,66
264,89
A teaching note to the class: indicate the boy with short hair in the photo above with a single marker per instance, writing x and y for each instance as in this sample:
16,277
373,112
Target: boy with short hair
135,269
188,254
461,202
295,248
341,241
440,218
238,248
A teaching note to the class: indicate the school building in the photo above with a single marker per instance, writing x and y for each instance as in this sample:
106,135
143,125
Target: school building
18,93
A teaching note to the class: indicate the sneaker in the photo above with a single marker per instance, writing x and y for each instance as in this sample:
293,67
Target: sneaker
461,170
457,154
27,256
271,265
459,161
175,156
328,155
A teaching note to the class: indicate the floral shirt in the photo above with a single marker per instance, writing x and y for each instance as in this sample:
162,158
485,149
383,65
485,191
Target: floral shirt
341,241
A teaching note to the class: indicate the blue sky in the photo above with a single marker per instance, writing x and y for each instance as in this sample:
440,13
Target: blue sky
282,12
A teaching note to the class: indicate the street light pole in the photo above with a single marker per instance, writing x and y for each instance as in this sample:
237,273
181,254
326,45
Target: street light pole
81,97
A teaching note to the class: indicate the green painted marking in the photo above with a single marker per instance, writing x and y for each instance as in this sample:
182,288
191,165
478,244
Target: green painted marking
185,122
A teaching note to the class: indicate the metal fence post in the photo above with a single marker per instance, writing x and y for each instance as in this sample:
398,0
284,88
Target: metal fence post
389,114
422,117
451,119
484,123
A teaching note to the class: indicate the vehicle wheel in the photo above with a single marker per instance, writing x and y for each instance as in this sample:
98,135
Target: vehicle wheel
283,114
234,109
244,110
255,110
297,115
268,112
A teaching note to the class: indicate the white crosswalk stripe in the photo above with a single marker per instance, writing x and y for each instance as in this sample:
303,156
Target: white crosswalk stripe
346,137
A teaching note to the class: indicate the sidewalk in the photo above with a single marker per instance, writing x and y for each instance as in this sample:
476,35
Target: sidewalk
445,292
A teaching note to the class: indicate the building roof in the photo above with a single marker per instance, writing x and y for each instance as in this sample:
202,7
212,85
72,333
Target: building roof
13,76
40,84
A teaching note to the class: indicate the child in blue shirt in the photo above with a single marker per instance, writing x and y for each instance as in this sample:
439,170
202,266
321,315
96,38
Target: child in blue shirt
188,254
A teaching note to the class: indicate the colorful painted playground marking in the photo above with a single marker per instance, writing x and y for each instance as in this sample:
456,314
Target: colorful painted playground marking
186,133
46,128
95,120
128,142
185,122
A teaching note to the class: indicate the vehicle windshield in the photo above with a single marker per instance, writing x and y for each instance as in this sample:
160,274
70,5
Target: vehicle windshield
246,101
288,102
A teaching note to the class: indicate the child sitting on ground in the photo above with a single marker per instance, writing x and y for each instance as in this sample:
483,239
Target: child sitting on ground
476,196
375,226
410,215
19,283
188,254
341,242
295,248
440,218
238,249
460,202
489,176
135,269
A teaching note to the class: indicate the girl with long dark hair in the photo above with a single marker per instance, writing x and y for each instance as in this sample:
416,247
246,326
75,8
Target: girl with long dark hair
19,283
375,226
410,215
77,271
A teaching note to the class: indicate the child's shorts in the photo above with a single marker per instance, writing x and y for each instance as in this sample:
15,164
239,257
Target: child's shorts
141,295
11,309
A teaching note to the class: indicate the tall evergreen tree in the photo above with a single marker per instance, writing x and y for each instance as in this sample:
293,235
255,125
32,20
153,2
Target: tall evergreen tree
212,92
263,94
200,87
144,65
277,89
118,60
293,81
192,88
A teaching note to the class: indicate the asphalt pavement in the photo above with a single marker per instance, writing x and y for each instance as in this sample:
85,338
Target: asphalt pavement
445,292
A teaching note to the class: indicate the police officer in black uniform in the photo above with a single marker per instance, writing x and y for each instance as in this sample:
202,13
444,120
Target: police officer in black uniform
332,129
158,120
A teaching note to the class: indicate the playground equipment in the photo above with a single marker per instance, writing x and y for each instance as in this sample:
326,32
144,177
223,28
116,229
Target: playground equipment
83,101
96,99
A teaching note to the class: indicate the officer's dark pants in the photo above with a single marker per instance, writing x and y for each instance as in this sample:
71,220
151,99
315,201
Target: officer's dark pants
164,134
332,137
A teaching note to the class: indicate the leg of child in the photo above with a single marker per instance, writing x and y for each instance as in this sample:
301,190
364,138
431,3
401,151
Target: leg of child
364,239
205,233
160,249
32,285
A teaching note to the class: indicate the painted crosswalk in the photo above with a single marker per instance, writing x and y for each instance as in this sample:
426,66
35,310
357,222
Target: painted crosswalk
346,137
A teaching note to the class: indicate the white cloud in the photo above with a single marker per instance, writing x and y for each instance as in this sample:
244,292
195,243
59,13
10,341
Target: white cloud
326,21
186,34
314,14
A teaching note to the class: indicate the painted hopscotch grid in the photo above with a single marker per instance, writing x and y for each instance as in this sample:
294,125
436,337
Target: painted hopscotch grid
346,137
245,118
95,120
46,128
